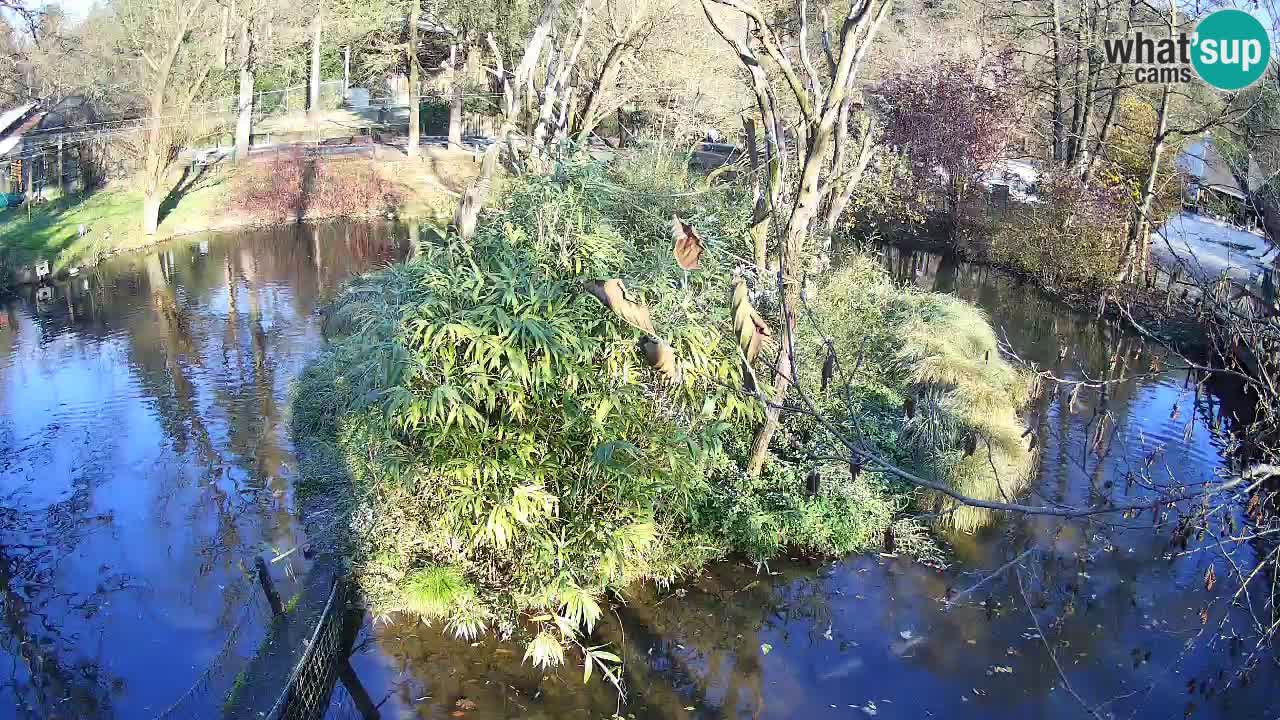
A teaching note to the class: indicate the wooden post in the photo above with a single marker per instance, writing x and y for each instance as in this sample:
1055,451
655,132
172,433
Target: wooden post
268,587
60,165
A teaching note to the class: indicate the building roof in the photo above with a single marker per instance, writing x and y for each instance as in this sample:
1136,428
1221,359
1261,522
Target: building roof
1203,161
10,117
12,137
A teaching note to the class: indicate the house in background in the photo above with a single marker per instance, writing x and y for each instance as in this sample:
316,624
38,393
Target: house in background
1212,188
14,170
41,149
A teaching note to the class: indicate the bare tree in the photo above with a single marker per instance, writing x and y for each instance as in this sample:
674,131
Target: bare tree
415,91
822,100
630,25
173,46
313,89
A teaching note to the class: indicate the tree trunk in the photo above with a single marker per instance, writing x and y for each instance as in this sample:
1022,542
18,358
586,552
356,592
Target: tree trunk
155,163
61,166
557,84
313,96
1136,245
244,107
1075,139
1058,124
455,98
415,95
793,248
593,112
760,213
866,149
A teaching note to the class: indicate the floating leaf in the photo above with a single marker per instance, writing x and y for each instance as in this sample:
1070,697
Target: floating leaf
660,357
688,246
765,648
614,296
1210,579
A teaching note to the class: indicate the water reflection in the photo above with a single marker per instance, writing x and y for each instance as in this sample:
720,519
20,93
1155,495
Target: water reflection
145,460
871,636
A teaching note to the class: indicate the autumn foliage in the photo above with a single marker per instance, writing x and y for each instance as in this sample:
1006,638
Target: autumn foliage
951,119
294,187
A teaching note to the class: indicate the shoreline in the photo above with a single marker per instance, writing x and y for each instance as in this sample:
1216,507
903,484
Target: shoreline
1150,308
415,188
7,285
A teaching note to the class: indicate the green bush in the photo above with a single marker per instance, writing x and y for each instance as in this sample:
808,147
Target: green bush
511,456
936,354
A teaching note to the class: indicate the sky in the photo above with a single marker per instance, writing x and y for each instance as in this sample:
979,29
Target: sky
74,8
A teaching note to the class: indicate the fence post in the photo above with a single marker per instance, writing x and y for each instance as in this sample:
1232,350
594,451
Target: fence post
268,587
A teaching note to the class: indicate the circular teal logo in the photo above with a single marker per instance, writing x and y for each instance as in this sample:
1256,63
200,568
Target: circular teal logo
1231,49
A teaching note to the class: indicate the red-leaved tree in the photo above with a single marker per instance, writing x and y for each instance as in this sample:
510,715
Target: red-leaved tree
952,119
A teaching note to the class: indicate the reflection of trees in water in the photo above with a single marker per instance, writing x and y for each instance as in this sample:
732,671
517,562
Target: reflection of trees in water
700,647
212,381
43,682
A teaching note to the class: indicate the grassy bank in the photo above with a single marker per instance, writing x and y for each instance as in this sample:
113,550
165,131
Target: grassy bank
506,456
221,199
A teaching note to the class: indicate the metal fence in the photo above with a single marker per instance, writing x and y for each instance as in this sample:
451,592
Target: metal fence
306,696
205,697
294,99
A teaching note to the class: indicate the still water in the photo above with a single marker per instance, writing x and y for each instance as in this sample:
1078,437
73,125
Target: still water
145,462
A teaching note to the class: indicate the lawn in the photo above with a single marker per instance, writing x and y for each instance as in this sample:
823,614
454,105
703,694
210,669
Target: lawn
112,216
112,219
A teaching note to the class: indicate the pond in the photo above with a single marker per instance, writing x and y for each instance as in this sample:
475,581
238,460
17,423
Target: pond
145,462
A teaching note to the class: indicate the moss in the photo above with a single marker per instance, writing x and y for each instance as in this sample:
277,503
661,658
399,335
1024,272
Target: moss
237,687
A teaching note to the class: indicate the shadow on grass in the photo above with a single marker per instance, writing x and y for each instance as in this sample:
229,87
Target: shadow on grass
190,181
30,231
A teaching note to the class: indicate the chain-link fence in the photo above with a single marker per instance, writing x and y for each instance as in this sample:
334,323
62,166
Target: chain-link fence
294,99
306,696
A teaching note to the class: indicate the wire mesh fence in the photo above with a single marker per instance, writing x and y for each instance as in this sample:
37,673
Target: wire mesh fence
307,694
295,98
